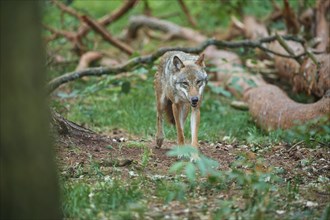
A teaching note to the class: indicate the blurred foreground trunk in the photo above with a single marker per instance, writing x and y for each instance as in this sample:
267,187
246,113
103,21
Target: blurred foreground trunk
29,185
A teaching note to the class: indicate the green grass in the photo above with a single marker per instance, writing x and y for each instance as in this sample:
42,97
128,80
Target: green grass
105,198
104,104
109,107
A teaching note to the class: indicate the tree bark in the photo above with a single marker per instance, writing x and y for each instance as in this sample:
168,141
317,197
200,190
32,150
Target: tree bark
29,184
271,108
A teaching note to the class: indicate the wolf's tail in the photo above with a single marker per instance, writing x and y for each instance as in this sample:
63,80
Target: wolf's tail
169,112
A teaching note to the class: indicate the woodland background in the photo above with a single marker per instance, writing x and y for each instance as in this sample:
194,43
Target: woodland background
264,133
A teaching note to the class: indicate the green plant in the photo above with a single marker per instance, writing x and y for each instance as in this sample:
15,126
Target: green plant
203,166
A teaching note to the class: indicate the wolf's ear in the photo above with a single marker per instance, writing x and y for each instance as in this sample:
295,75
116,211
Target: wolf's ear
177,63
200,60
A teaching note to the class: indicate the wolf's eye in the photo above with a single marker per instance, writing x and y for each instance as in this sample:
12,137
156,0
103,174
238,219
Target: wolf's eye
199,82
185,84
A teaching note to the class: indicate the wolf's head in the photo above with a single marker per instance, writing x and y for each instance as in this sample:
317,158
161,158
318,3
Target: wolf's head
190,79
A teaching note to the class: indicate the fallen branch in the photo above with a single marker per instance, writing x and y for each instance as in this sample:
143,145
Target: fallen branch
106,35
66,127
129,65
87,58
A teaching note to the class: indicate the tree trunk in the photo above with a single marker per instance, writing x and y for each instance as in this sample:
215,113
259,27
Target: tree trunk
29,184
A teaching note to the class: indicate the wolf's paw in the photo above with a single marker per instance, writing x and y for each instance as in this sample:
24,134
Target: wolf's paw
183,156
159,142
194,157
180,156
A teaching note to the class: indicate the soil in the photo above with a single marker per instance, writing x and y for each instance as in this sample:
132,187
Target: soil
118,150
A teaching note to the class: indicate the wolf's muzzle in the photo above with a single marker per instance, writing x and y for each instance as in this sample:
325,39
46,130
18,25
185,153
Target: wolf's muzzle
194,101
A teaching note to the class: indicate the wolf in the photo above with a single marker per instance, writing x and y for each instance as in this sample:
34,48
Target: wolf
179,84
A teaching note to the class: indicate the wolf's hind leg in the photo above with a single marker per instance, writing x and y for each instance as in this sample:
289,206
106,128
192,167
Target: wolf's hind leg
160,120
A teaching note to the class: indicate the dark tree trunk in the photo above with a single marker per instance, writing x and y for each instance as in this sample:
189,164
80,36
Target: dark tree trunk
29,184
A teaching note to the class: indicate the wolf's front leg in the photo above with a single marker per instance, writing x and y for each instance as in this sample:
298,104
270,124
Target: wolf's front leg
177,112
195,118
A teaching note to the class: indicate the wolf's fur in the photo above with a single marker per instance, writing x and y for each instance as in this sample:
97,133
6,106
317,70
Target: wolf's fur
179,82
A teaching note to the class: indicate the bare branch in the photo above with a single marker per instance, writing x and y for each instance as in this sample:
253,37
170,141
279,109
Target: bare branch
313,58
67,9
108,19
287,48
76,37
106,35
186,11
146,8
67,34
290,18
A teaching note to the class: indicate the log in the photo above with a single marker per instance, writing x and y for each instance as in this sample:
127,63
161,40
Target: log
272,109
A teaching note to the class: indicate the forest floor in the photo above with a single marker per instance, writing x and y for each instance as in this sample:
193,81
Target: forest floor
132,160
